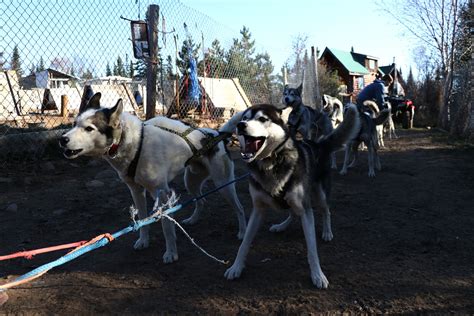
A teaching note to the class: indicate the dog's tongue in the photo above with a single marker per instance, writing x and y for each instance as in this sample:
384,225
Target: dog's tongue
252,146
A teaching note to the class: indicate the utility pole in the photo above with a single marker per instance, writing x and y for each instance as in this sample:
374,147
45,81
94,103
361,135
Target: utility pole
152,62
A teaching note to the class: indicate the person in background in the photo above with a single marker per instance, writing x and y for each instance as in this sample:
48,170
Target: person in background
376,91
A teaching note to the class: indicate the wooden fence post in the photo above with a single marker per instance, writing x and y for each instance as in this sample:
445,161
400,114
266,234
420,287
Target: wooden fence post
64,108
151,70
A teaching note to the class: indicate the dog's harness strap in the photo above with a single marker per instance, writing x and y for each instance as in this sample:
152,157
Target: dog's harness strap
183,136
132,168
210,143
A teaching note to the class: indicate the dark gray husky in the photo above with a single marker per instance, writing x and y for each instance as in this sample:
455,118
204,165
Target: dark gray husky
287,174
310,123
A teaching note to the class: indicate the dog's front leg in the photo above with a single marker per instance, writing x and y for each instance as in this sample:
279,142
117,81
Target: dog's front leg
169,231
317,275
139,199
235,270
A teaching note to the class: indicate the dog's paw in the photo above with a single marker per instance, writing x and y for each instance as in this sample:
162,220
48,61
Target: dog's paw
190,220
343,172
371,174
170,257
141,243
234,272
320,280
327,235
334,166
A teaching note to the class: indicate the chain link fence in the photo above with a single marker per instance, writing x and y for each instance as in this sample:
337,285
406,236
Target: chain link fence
52,50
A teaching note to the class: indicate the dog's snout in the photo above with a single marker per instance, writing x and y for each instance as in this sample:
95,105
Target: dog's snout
63,140
241,126
287,99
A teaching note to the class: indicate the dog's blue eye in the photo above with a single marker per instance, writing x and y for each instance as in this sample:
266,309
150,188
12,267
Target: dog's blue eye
89,129
262,119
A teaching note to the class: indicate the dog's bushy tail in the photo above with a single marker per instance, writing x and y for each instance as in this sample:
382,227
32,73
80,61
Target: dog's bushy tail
382,117
345,132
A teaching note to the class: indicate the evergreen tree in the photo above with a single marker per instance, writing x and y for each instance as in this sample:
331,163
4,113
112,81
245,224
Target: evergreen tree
214,61
108,71
140,69
411,86
264,78
16,62
241,63
120,68
40,66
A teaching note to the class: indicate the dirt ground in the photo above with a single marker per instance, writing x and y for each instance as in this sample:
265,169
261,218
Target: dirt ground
403,242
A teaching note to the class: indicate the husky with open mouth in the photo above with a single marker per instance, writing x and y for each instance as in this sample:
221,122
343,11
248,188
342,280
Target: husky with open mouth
149,155
287,174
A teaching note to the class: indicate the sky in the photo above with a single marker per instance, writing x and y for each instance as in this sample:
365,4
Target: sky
90,34
340,24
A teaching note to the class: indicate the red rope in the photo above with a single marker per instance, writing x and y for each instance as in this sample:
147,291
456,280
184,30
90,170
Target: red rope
30,253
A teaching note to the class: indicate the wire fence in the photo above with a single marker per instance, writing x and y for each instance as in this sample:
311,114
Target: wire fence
52,50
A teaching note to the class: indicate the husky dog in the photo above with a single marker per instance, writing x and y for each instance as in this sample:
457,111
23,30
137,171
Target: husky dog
286,173
367,134
389,126
148,155
334,109
310,123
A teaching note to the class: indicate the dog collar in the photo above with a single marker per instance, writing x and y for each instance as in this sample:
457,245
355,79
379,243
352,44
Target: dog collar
113,149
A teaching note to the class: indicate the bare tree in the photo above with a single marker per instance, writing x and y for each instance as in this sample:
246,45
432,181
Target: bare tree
297,59
434,23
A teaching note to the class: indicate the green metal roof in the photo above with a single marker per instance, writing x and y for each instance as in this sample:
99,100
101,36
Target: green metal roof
347,60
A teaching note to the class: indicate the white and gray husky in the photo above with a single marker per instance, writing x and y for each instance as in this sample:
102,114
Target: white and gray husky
287,174
367,134
148,156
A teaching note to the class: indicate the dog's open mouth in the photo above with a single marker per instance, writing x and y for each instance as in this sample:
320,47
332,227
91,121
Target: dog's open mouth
69,153
251,146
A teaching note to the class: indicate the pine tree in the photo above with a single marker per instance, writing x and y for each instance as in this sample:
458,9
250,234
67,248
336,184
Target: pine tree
120,67
40,66
410,86
108,71
16,62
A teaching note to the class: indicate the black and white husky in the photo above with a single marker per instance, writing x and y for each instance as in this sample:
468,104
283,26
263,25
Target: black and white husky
148,156
287,174
311,124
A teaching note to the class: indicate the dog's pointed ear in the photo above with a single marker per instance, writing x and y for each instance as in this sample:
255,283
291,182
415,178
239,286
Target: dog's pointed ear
92,102
286,87
300,88
115,113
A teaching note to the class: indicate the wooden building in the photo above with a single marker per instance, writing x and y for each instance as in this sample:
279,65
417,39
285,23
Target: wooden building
355,70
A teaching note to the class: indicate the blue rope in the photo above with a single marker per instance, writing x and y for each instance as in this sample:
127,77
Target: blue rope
104,241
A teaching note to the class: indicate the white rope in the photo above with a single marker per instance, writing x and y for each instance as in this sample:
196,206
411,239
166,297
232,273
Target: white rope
159,212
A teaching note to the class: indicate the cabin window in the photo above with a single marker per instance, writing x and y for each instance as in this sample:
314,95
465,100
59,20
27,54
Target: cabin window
360,83
371,64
